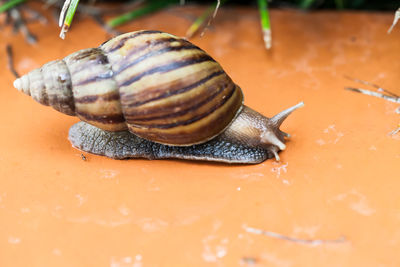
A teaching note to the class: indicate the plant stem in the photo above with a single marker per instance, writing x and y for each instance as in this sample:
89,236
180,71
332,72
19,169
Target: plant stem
199,21
306,3
265,23
193,29
10,57
339,4
10,4
71,9
154,6
395,20
71,12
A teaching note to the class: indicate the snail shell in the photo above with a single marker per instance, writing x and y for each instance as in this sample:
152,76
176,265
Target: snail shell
156,85
161,88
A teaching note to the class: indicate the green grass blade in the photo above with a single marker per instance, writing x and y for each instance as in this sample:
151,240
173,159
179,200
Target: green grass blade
68,17
339,4
306,3
265,23
10,4
199,21
71,12
194,28
149,8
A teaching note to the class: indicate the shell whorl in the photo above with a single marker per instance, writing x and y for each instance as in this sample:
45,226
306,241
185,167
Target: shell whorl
159,86
49,85
95,91
171,91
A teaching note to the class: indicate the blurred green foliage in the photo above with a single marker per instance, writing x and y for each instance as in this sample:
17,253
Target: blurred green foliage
306,4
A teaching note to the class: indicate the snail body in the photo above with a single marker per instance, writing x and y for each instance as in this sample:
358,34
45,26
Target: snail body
157,89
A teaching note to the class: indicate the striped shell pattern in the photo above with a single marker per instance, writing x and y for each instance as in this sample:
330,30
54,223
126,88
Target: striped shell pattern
159,86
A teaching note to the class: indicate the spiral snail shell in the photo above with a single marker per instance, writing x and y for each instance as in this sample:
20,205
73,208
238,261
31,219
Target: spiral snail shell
168,93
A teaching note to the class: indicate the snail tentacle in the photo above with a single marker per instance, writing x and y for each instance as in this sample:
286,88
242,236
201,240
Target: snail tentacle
277,120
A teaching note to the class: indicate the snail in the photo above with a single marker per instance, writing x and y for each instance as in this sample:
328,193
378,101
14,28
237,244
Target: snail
150,94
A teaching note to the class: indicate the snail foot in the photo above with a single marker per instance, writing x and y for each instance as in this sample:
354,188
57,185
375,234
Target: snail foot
123,145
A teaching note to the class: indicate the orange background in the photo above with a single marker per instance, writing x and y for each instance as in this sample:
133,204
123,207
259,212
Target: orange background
338,178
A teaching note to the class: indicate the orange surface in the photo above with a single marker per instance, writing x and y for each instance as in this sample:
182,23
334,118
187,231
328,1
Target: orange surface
339,176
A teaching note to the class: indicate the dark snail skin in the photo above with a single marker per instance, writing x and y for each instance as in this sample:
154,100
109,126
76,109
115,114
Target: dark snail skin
159,92
232,146
125,145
